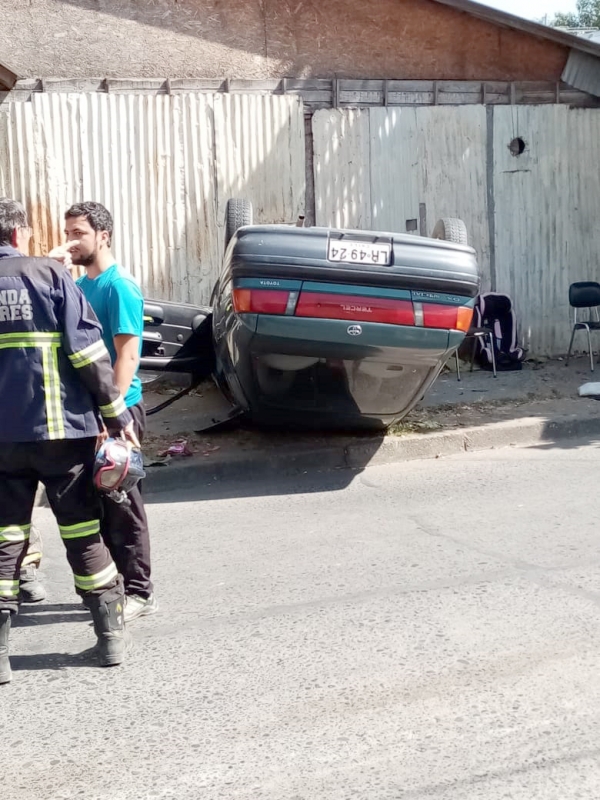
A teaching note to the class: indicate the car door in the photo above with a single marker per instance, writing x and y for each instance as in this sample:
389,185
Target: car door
177,338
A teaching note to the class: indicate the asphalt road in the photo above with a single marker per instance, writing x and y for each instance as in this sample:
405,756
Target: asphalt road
426,630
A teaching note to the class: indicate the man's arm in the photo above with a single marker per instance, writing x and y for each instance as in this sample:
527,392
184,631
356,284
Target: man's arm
126,311
82,342
127,348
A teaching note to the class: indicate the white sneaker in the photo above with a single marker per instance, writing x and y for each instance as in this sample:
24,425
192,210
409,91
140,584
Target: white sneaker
136,606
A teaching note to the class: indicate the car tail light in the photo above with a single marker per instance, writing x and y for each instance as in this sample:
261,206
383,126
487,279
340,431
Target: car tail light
456,318
353,307
260,301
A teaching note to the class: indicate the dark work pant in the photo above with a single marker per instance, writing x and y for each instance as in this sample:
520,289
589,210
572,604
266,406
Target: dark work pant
125,528
65,468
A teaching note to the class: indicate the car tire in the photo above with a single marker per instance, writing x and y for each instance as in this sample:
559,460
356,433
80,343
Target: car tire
451,229
238,214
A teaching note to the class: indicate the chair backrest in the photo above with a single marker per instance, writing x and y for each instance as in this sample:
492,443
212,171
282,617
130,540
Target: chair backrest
584,294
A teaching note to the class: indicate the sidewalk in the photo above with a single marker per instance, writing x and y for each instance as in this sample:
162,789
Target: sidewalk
538,404
543,380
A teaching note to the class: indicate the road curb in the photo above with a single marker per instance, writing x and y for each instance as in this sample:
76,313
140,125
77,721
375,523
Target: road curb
365,451
371,451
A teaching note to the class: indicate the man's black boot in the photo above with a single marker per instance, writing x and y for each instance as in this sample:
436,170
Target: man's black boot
109,625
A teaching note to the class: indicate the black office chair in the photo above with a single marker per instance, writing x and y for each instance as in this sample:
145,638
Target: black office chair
585,294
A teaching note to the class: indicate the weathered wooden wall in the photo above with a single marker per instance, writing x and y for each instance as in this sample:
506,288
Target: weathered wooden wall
268,38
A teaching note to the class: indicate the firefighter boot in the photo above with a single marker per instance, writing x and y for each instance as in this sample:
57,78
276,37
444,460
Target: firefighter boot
5,674
30,589
109,625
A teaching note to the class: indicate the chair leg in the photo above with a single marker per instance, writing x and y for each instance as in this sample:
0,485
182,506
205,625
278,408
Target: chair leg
570,345
458,378
589,336
491,337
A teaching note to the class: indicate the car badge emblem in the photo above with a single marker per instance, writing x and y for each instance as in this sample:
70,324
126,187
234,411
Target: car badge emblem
354,330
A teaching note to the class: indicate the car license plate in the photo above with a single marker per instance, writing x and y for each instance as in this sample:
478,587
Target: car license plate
353,252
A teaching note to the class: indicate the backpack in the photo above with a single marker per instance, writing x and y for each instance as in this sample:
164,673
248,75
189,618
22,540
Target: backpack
495,311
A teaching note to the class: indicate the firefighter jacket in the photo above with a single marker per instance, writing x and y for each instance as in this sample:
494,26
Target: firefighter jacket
56,377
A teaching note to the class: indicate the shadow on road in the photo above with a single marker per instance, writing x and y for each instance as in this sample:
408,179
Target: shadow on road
580,432
30,616
54,661
566,444
258,485
287,465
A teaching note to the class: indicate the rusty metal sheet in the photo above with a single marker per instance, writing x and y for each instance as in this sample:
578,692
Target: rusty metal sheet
164,165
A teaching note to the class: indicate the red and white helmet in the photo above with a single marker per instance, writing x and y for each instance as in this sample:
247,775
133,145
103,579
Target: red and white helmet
118,466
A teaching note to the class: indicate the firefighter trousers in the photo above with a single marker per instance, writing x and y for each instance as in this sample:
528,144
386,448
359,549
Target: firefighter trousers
65,467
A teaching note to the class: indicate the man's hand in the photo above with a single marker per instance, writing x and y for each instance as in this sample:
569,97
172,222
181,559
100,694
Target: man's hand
101,438
62,253
129,434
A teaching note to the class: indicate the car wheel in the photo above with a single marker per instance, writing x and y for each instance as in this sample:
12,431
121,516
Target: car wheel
451,229
238,214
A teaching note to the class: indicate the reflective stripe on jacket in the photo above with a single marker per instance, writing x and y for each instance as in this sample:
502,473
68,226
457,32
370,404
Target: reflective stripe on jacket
56,377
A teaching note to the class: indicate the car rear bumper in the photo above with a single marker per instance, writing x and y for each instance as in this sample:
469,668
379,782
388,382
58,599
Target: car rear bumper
312,373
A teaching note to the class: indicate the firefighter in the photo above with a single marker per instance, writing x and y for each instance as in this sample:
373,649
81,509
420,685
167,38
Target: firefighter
55,382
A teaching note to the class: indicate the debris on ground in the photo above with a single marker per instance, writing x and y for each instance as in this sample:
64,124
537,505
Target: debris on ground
589,390
177,448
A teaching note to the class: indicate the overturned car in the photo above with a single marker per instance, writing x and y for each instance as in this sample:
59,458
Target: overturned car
322,328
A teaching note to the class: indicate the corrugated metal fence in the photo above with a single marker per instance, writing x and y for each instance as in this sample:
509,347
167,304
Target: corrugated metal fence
374,167
547,215
534,218
164,165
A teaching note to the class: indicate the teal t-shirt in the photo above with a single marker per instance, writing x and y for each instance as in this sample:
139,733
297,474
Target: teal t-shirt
119,305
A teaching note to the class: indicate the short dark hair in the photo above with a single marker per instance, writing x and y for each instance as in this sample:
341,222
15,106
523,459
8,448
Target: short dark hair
99,217
12,216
